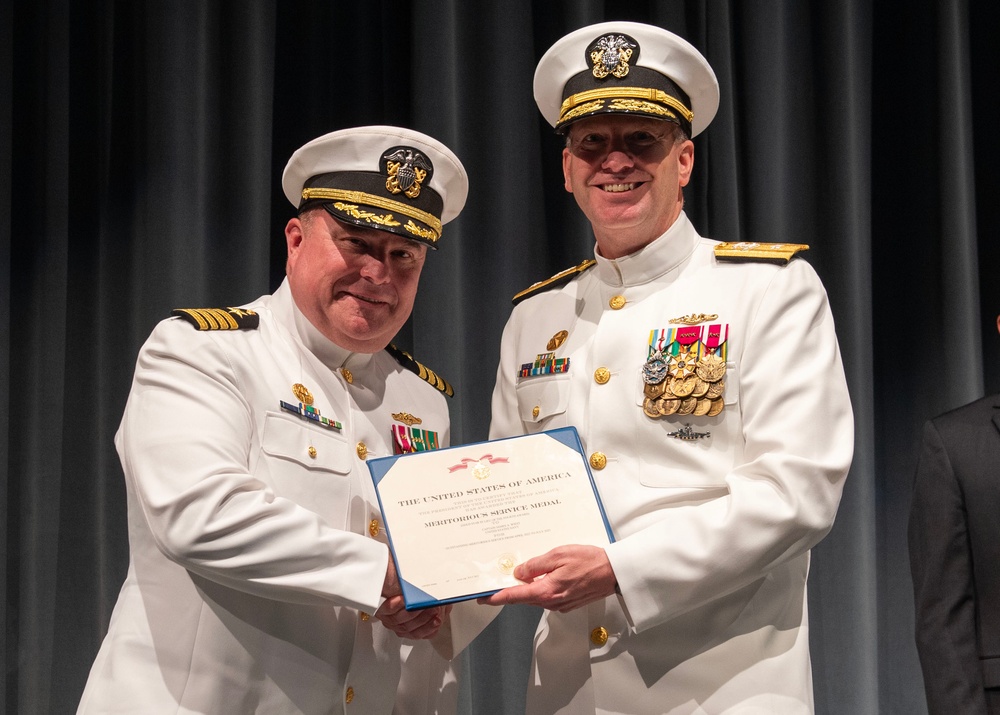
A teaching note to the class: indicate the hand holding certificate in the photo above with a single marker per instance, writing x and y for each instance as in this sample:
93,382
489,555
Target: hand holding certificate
460,519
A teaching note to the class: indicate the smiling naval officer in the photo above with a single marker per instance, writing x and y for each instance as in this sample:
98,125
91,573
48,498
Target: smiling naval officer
706,382
259,576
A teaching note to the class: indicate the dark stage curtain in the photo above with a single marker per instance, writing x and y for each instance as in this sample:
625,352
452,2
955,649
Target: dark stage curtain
140,152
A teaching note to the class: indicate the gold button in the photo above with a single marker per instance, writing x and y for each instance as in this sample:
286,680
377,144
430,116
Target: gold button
362,451
617,303
602,375
347,375
373,527
364,616
599,636
312,451
598,460
349,695
535,410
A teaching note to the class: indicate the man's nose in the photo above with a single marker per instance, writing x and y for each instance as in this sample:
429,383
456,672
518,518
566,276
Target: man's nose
375,269
617,160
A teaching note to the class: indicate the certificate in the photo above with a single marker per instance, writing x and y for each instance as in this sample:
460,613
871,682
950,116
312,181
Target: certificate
460,519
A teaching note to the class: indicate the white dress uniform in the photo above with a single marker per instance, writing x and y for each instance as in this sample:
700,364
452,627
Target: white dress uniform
713,516
257,552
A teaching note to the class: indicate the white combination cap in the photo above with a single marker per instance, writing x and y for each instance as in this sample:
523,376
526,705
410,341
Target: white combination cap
382,177
626,67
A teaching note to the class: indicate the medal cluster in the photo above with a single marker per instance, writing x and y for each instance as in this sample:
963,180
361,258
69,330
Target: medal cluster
685,383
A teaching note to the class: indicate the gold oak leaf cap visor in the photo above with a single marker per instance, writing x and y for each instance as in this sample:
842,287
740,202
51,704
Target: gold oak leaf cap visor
626,67
382,177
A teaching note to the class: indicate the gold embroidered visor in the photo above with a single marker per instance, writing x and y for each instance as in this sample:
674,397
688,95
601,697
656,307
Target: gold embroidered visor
635,100
361,208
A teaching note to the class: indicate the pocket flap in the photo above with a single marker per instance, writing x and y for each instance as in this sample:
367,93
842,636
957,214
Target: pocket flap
288,438
539,398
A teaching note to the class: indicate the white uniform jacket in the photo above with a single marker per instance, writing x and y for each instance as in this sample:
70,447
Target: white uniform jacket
257,551
713,524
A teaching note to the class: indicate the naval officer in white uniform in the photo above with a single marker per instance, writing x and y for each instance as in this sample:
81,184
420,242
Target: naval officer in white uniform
259,578
706,383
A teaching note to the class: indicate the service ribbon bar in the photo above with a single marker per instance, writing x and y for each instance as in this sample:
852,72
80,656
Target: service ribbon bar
311,413
407,440
545,364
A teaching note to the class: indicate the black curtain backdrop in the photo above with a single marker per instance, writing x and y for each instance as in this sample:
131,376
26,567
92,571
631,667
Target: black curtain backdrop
141,145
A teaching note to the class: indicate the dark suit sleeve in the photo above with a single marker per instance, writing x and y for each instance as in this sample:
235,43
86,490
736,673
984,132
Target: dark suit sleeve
941,566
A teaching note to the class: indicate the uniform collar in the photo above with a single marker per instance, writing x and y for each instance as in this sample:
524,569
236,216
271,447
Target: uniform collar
653,260
305,333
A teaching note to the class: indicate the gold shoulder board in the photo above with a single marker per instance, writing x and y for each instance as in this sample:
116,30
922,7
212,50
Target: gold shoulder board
555,281
749,251
425,373
219,318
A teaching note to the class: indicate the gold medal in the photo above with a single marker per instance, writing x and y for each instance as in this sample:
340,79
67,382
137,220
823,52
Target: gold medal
716,389
682,364
649,408
669,406
683,386
654,391
700,388
711,368
716,407
701,409
687,406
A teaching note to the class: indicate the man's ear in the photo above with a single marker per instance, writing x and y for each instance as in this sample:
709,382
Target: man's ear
294,235
685,162
567,157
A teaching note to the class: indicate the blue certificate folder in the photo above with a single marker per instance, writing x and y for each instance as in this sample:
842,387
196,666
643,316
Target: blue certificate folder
459,519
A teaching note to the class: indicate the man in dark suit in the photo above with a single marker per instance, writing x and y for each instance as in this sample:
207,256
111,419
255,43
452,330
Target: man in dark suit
954,537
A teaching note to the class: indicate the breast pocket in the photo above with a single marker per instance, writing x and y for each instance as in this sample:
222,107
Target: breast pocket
686,444
307,465
541,401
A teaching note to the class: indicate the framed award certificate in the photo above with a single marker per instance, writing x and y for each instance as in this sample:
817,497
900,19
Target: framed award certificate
460,519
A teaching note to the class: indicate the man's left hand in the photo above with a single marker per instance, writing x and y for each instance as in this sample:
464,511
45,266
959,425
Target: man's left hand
565,578
417,625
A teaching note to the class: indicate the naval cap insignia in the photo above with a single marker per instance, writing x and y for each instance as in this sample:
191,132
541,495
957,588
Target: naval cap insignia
407,169
611,54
